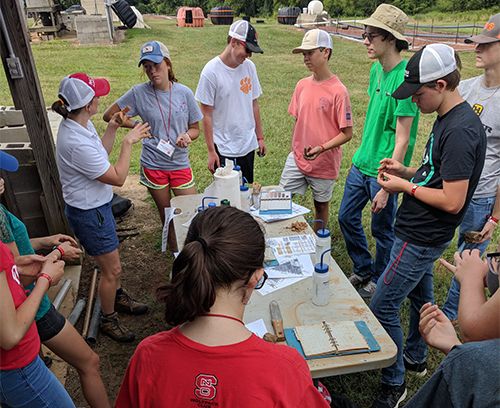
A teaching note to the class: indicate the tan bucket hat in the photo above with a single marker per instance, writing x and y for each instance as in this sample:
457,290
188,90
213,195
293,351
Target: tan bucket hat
389,18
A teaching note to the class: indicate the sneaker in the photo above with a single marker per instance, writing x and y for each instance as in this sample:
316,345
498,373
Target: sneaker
111,326
358,281
419,369
125,304
390,396
367,291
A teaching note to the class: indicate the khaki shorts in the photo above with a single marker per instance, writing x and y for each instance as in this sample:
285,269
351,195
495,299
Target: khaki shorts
293,180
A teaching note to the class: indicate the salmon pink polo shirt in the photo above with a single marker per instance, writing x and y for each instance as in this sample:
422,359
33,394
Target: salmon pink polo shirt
321,110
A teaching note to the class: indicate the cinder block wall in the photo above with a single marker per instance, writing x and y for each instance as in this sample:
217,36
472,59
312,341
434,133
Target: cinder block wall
92,30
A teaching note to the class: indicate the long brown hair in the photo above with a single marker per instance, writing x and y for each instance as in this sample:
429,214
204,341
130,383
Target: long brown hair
223,245
59,107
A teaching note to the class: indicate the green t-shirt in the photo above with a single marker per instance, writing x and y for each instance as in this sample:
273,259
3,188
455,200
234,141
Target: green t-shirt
12,229
379,133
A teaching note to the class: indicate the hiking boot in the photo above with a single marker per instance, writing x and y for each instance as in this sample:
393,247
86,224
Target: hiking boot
111,326
358,281
419,369
125,304
390,396
367,291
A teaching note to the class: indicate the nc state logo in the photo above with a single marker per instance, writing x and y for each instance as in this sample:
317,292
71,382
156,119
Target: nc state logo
206,386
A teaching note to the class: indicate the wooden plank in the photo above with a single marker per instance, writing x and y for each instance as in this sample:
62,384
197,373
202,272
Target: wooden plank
297,308
27,96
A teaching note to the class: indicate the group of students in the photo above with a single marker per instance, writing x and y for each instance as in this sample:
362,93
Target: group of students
217,270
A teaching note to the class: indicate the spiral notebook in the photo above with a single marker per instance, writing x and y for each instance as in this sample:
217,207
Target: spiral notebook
327,338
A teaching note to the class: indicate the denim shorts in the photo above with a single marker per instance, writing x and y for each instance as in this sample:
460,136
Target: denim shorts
50,324
95,228
32,386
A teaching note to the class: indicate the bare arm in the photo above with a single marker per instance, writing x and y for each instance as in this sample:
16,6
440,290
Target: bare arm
311,152
116,175
490,225
208,131
258,127
403,128
14,323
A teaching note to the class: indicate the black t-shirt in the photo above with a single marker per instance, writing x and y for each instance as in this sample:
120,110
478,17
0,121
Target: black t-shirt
455,151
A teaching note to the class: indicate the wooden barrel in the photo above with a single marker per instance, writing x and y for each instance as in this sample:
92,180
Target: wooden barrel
288,15
222,15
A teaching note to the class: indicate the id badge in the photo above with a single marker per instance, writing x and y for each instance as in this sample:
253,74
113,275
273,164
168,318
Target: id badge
166,147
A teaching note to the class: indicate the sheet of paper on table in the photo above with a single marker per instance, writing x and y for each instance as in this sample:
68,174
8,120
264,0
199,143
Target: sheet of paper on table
257,327
170,213
296,211
289,271
292,245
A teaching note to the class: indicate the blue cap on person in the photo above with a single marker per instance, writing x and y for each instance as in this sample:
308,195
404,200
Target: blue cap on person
154,51
8,162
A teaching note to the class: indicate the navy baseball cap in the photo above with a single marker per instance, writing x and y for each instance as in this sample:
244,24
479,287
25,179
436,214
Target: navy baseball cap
154,51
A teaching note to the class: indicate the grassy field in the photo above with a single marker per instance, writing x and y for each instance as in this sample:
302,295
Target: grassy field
279,71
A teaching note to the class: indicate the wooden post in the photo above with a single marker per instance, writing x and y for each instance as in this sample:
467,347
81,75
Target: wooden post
27,96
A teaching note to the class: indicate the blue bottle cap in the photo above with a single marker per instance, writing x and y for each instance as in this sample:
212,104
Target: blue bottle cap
243,187
321,268
237,168
212,205
323,233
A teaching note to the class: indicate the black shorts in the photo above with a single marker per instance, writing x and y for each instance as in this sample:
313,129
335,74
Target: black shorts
245,162
50,324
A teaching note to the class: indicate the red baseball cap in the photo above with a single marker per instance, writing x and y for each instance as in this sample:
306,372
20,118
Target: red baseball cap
99,85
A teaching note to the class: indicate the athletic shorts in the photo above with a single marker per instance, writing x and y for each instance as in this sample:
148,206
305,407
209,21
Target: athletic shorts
95,228
293,180
159,179
50,324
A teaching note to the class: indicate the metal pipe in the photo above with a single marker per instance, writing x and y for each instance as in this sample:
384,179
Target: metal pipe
94,322
77,311
8,43
62,293
86,322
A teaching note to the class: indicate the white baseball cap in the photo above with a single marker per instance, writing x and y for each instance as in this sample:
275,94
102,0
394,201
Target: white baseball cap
242,30
432,62
314,39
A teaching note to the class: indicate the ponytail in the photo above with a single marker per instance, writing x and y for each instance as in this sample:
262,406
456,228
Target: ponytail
223,245
60,107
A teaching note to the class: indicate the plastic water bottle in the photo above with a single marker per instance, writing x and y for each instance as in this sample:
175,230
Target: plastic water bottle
245,198
321,282
238,169
323,241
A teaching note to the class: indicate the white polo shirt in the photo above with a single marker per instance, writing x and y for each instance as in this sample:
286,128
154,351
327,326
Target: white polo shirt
81,159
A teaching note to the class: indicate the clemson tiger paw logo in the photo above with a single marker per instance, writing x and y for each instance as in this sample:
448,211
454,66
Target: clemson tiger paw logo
246,85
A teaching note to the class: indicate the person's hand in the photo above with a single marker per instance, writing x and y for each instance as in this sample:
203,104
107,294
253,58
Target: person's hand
53,268
392,184
310,152
120,118
183,140
29,265
379,201
71,252
262,148
436,329
139,132
58,239
486,232
2,186
213,161
391,166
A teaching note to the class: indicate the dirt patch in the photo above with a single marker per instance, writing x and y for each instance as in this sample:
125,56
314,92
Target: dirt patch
144,269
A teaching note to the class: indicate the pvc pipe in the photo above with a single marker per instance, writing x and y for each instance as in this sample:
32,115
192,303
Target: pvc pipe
77,311
92,289
94,322
62,293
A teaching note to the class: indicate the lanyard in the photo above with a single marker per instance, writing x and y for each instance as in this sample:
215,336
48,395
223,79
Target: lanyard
167,129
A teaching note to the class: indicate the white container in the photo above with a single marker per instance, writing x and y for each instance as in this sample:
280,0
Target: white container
321,285
228,187
323,242
245,198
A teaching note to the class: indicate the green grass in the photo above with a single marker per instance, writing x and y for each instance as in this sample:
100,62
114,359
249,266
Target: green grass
279,71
